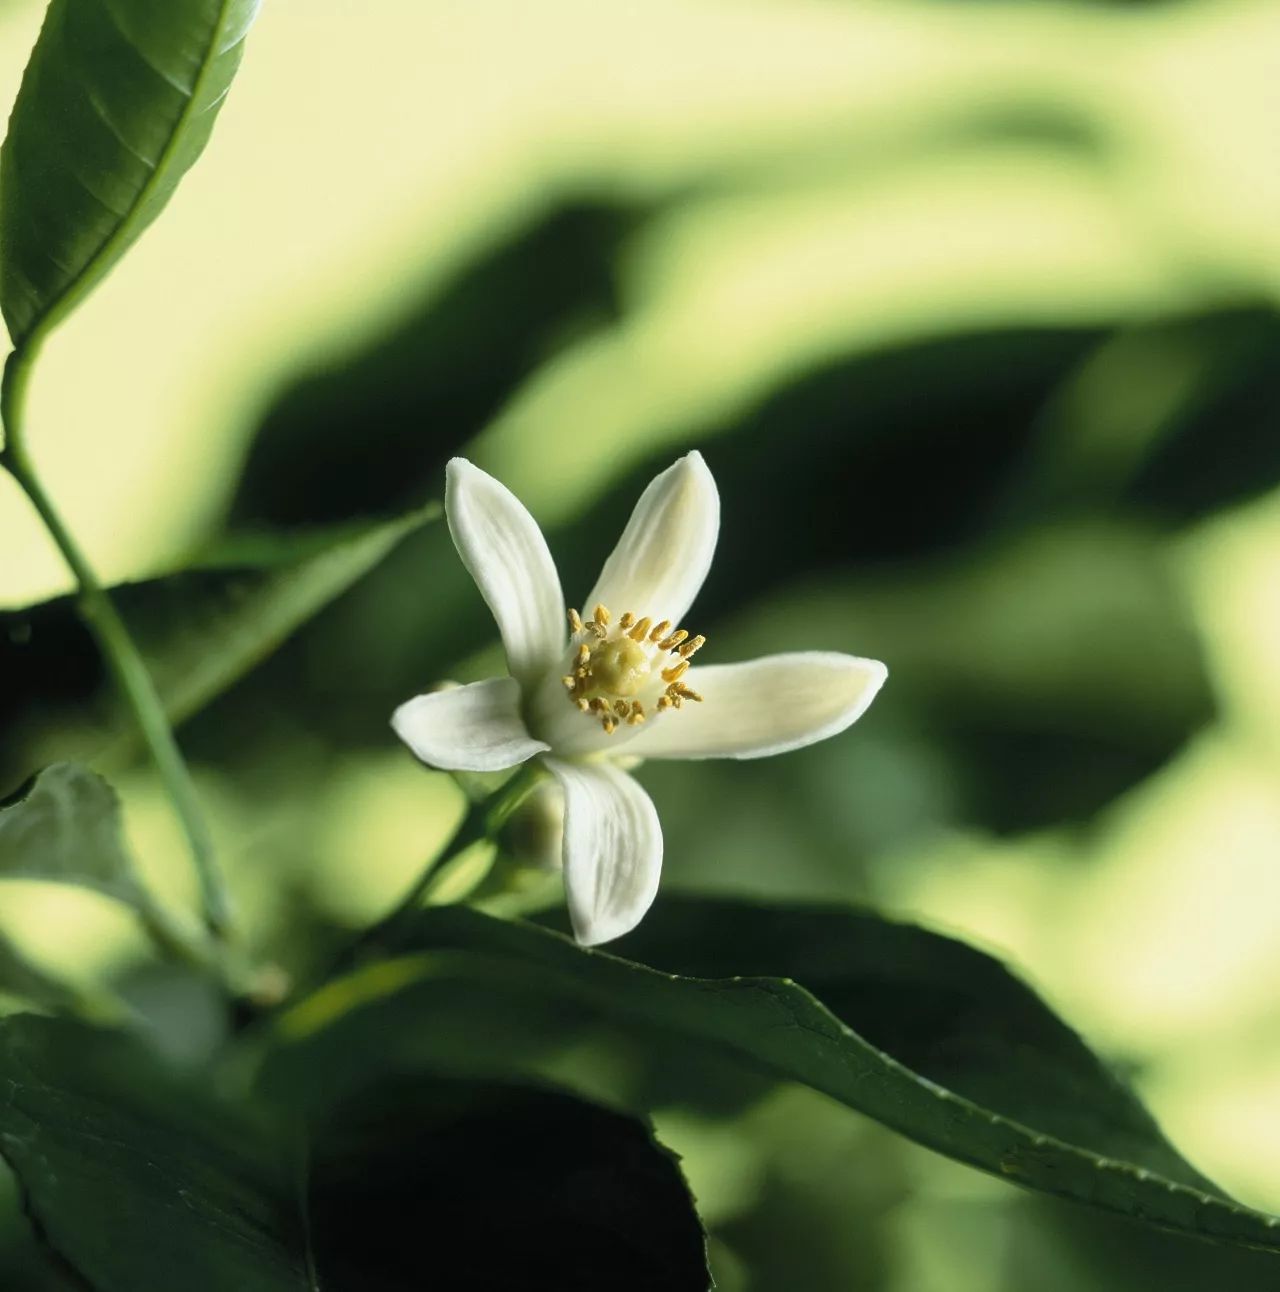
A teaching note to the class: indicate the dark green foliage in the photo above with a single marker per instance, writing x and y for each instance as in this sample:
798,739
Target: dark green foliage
145,1183
933,1039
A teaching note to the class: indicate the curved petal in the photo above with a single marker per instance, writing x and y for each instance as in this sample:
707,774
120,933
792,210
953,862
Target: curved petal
474,728
612,849
766,706
503,548
665,551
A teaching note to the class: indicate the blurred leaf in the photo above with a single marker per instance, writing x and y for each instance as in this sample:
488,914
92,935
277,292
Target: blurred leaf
20,978
145,1184
1054,1248
199,629
935,1040
118,101
1172,421
1052,671
66,830
416,394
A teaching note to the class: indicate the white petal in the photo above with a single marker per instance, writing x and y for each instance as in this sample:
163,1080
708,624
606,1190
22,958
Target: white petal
503,548
612,849
665,551
474,728
766,706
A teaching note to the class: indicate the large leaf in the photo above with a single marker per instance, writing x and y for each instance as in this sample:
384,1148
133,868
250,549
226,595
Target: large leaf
924,1034
199,630
510,1187
144,1184
118,101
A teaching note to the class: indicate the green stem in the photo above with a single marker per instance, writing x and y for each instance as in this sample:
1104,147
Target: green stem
118,647
483,820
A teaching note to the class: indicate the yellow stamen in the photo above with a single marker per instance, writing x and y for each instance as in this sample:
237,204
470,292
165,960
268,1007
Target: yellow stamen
615,660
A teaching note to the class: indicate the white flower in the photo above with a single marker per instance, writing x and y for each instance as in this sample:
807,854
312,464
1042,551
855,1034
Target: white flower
587,695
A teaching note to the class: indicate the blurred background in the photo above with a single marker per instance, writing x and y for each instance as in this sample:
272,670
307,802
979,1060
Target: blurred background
971,308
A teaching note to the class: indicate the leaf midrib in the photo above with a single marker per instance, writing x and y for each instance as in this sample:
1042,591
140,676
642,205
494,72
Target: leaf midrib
68,297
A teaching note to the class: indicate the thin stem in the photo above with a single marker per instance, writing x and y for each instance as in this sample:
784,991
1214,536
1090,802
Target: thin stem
118,647
484,818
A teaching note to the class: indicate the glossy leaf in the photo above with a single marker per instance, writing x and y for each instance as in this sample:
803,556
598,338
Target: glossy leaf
143,1183
200,630
117,102
934,1039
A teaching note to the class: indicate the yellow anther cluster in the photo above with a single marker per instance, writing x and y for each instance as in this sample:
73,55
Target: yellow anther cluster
612,665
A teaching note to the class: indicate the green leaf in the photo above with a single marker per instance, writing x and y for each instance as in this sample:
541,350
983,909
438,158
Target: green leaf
930,1037
138,1181
199,630
145,1184
20,978
66,830
117,102
519,1187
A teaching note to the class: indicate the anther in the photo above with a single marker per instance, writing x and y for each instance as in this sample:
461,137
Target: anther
584,704
674,640
610,725
685,693
584,653
665,702
575,621
660,631
621,708
676,671
691,646
626,621
570,682
601,615
636,718
641,630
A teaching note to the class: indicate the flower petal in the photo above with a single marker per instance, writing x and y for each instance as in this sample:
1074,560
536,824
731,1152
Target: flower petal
665,551
503,548
474,728
765,706
612,849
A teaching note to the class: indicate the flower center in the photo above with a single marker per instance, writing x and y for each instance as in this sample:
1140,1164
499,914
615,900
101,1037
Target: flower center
618,668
